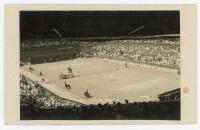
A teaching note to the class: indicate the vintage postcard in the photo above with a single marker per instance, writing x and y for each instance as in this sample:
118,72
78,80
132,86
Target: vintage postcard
100,64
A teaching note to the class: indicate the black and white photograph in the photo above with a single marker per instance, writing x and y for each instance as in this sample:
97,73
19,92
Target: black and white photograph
100,65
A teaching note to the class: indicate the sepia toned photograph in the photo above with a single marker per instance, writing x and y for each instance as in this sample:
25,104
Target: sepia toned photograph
100,65
84,64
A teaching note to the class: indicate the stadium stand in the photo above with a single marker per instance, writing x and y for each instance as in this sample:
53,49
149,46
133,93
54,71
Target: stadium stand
157,51
32,93
135,110
170,95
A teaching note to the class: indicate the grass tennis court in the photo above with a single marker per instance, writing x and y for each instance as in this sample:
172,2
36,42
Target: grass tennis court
108,80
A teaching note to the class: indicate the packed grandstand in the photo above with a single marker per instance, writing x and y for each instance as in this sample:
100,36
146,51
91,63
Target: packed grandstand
158,51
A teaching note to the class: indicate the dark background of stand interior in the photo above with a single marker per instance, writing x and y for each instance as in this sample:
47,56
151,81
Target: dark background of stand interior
76,24
166,110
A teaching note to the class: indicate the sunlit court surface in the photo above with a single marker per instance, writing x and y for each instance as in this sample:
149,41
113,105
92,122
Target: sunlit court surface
107,80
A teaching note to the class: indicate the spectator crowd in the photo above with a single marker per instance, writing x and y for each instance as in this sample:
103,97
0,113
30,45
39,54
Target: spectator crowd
130,110
159,51
27,43
32,93
155,51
